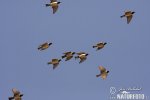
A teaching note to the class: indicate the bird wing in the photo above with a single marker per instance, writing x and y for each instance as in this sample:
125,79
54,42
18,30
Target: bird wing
102,69
82,58
66,53
129,19
53,1
69,57
55,8
104,75
55,65
100,44
44,44
79,53
128,12
17,98
54,60
15,91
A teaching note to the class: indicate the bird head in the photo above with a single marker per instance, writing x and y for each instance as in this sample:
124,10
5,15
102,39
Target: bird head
133,12
21,95
87,54
50,44
105,43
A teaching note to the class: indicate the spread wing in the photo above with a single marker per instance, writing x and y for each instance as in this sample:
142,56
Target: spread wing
129,19
66,53
44,44
128,12
82,59
18,98
53,1
15,91
99,44
69,57
55,65
54,60
102,69
79,53
104,75
55,8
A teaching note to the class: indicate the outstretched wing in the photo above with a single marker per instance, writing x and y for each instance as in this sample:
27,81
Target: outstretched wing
104,75
54,60
83,59
55,65
102,69
15,91
53,1
79,53
100,43
55,8
129,19
66,53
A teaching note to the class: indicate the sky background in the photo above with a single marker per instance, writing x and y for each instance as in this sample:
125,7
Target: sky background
76,26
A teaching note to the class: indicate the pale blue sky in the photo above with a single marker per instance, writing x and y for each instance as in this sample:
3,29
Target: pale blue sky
76,26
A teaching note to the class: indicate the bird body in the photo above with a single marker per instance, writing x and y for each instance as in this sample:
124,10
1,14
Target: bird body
44,46
54,4
82,56
99,45
17,95
103,73
54,62
128,15
68,55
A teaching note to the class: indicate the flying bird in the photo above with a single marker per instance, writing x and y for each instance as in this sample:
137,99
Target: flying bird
54,4
99,45
54,62
68,55
82,56
17,95
128,15
44,46
103,72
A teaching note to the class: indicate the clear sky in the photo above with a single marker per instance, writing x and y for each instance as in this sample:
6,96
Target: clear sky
76,26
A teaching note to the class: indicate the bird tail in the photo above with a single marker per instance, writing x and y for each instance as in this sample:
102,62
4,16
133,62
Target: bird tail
63,56
94,46
98,75
122,16
76,57
47,5
39,48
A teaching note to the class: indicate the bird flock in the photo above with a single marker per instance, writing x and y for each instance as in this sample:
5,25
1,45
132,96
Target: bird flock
82,56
